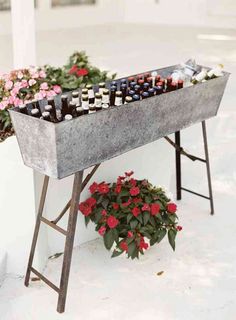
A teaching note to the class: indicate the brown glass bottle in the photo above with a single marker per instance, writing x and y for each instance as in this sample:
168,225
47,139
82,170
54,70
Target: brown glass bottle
64,105
36,105
51,102
35,113
72,109
90,93
112,97
46,116
98,101
23,109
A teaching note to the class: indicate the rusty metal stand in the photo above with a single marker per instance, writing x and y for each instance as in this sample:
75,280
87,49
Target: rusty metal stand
78,186
180,151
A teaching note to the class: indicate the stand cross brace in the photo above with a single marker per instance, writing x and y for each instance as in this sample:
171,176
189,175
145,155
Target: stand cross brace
78,186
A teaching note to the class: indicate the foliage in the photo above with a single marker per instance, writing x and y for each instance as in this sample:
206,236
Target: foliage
128,212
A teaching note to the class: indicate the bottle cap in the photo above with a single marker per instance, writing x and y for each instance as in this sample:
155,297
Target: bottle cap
159,84
130,79
131,92
145,94
123,86
113,88
114,83
64,96
146,75
118,94
102,85
85,97
136,97
146,85
75,94
141,82
84,91
89,86
151,90
139,76
48,108
45,114
34,112
68,117
105,106
123,81
106,91
22,106
133,83
128,99
98,95
137,87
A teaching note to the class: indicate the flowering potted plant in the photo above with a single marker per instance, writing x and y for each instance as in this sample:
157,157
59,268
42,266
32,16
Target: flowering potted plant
128,212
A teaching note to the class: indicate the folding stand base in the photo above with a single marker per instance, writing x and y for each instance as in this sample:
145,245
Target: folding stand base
78,186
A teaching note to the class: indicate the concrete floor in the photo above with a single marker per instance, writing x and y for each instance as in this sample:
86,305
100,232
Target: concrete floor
199,279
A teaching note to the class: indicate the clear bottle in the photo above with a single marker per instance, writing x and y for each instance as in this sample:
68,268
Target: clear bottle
200,76
118,99
85,103
90,93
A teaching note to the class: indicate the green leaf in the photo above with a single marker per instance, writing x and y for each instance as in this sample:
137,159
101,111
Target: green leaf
140,218
133,223
171,236
161,234
116,253
108,239
131,248
115,235
86,220
146,217
124,193
129,217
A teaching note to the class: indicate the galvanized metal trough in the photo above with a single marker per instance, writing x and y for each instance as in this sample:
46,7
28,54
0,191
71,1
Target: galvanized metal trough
59,150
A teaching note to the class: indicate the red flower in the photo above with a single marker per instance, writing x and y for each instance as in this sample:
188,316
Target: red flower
137,200
136,211
126,204
130,234
171,207
133,182
129,174
124,246
115,206
143,244
155,209
112,222
103,213
102,231
73,69
85,208
118,188
93,188
146,207
134,191
179,228
82,72
103,188
91,202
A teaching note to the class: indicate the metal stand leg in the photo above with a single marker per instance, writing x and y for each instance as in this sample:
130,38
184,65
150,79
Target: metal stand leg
208,166
77,187
36,229
178,165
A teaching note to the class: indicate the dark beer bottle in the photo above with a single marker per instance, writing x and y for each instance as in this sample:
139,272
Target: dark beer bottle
131,93
68,117
136,97
146,86
112,96
79,110
123,81
23,109
92,108
64,105
114,84
159,90
130,79
36,105
46,116
132,85
98,101
137,89
105,96
151,92
141,82
180,84
72,109
145,95
123,89
51,102
146,76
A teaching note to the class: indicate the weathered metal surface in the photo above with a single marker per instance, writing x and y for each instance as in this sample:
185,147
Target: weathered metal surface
59,150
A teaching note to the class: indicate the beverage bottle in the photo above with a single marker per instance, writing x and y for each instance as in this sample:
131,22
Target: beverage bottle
215,72
131,93
48,108
112,96
180,84
84,91
79,110
200,76
75,97
146,76
118,99
101,86
51,102
90,93
136,97
130,79
85,103
132,85
123,81
98,101
68,117
151,92
137,89
146,86
114,84
92,108
123,89
145,95
36,105
72,109
64,105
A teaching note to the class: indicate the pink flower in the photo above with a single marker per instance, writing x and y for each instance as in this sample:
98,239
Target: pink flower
17,102
146,207
8,85
38,96
24,84
136,211
11,100
134,191
20,75
112,222
2,107
35,75
14,91
44,93
130,234
57,89
104,213
50,93
102,231
44,86
32,82
42,74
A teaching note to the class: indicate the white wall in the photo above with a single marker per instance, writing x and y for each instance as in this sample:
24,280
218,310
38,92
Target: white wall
184,12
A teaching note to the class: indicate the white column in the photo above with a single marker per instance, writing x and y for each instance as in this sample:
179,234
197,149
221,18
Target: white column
23,33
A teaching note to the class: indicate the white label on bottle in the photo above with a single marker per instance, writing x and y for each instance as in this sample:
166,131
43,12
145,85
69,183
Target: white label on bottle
75,100
91,94
92,111
101,91
118,101
85,105
202,75
98,102
105,98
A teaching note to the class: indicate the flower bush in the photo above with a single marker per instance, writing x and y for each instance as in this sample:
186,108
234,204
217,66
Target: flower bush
36,83
129,212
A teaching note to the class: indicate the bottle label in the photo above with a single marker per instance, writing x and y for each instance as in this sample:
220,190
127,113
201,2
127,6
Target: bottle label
91,94
85,105
105,98
101,90
118,101
75,100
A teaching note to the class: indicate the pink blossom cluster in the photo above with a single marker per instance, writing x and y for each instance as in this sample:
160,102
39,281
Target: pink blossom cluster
23,86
